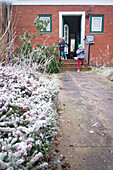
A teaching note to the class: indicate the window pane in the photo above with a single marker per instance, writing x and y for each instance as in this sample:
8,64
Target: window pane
47,27
46,19
96,23
72,45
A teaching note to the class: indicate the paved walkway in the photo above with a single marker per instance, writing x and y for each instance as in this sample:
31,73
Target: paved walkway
86,141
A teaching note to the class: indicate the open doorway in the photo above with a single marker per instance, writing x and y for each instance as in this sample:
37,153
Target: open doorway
72,27
72,24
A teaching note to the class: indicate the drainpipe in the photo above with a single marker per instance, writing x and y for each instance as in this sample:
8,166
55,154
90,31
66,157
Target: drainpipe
9,39
88,53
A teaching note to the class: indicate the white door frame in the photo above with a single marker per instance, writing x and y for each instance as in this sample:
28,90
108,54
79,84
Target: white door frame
73,13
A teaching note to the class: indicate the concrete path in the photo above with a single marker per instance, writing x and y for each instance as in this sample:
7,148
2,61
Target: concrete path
86,122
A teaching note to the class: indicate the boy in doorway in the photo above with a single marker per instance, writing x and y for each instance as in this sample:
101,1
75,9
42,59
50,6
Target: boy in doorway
62,46
80,56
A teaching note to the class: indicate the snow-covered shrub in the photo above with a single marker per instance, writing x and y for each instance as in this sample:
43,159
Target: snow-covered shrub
46,58
43,56
27,117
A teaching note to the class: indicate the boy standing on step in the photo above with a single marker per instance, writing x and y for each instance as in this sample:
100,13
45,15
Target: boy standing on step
80,56
62,46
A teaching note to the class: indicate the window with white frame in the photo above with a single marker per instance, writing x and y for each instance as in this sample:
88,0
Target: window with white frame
97,24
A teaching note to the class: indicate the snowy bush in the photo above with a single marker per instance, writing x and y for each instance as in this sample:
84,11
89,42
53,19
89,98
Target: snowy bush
27,118
43,56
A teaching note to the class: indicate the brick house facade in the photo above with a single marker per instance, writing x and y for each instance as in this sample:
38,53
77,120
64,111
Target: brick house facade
70,18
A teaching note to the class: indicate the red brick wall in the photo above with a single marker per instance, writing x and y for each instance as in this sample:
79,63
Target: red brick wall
102,50
3,15
4,39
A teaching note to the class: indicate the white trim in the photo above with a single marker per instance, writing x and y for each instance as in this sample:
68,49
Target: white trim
73,13
62,2
6,1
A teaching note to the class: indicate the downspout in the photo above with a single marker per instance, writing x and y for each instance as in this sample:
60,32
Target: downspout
88,53
9,38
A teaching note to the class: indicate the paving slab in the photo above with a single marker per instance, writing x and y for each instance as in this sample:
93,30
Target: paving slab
86,122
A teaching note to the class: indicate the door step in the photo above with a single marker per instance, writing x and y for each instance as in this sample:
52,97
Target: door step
71,65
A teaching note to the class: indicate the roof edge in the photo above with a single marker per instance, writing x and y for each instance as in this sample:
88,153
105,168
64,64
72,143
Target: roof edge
62,2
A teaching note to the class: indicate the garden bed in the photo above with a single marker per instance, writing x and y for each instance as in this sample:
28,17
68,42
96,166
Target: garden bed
28,119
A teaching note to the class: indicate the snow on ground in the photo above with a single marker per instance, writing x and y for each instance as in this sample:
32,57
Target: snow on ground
105,71
27,117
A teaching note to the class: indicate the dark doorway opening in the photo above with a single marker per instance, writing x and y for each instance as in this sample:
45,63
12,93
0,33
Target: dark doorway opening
74,25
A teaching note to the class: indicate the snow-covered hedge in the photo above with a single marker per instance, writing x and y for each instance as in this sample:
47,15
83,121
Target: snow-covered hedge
27,118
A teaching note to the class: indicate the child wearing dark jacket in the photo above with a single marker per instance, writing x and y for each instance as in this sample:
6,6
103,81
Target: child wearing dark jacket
62,46
80,56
